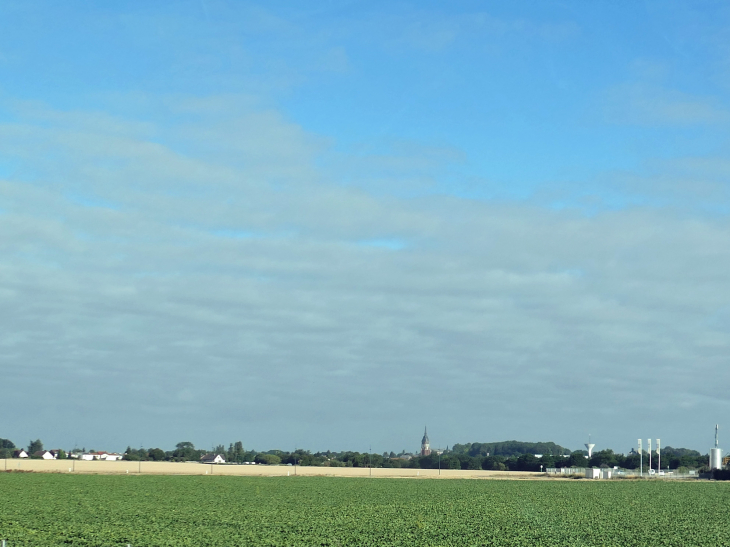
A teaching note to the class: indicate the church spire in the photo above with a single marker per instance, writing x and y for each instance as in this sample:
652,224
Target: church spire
425,443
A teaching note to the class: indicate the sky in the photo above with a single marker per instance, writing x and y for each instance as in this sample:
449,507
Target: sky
325,226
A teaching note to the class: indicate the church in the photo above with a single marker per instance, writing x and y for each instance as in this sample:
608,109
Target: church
425,444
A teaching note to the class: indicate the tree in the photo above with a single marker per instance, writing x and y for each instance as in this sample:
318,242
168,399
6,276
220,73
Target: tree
607,458
548,461
6,449
509,448
238,452
268,459
35,446
61,455
185,451
528,462
134,454
577,459
156,454
631,461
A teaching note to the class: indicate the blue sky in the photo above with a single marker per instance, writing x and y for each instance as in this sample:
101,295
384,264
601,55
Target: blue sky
340,222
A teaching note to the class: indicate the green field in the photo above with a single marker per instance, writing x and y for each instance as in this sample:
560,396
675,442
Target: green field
47,509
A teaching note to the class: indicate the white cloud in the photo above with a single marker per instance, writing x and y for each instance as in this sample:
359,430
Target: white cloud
647,104
489,316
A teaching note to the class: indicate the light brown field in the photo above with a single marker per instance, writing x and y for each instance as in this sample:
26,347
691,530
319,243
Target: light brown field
192,468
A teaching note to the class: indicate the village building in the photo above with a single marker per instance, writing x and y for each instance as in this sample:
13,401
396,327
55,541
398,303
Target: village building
212,458
20,454
425,444
44,455
107,456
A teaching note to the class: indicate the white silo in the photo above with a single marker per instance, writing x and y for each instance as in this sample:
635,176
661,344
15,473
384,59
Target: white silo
716,453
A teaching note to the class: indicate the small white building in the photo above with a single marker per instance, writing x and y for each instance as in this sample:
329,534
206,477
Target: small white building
593,473
107,456
20,454
44,455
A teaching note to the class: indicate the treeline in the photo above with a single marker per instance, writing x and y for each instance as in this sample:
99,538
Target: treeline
185,452
235,453
510,448
7,448
502,456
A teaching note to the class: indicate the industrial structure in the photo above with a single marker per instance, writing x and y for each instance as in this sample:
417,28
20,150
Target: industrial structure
589,446
716,453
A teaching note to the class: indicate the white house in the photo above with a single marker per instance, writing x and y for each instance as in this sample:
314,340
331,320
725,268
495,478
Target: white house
44,455
20,454
212,458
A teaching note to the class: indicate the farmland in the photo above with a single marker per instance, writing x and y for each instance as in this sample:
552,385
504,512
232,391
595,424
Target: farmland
55,509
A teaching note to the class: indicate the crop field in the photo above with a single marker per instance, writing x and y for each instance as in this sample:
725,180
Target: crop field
55,509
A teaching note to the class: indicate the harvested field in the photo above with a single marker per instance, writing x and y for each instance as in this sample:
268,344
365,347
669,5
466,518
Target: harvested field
192,468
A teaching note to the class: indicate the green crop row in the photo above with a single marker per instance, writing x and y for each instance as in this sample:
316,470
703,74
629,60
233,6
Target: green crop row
38,510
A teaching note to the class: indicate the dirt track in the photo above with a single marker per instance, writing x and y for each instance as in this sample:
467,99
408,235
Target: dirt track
192,468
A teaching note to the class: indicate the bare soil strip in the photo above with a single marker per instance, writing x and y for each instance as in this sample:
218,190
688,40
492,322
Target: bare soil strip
193,468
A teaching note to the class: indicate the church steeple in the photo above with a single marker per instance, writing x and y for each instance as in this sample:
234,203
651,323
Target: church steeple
425,443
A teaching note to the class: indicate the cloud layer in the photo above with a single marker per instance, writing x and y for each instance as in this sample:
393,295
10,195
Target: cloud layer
214,279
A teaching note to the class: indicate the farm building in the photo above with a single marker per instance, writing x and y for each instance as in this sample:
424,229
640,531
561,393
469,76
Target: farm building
108,456
212,458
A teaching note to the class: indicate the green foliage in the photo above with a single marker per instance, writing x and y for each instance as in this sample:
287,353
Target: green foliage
34,446
509,448
235,453
268,459
186,451
6,448
84,510
156,454
721,474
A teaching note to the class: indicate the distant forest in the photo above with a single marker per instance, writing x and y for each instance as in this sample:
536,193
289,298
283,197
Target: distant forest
500,456
510,448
